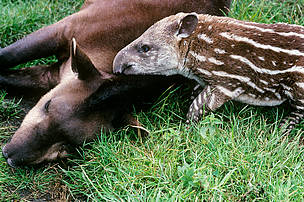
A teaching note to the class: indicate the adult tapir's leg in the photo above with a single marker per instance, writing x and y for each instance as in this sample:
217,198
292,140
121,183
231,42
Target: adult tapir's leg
32,80
45,42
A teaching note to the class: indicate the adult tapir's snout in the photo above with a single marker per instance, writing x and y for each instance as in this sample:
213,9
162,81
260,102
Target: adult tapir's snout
12,156
19,155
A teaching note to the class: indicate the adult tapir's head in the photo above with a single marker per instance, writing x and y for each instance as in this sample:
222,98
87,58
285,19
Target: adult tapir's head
60,117
158,50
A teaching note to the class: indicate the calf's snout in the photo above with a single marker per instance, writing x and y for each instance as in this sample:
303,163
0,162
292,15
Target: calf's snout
119,64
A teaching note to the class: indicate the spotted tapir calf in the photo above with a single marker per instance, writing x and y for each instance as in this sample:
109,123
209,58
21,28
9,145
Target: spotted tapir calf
258,64
82,95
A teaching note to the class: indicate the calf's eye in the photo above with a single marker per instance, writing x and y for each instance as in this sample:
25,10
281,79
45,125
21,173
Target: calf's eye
144,49
46,106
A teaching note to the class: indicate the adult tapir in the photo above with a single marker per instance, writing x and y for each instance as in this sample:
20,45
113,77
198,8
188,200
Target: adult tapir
82,94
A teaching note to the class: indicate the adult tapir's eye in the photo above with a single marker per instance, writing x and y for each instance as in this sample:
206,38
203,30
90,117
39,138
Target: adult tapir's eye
144,48
46,106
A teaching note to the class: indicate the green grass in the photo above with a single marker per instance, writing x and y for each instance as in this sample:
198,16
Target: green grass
235,154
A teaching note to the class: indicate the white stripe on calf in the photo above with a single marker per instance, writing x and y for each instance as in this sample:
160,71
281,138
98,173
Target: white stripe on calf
199,99
285,87
299,69
270,30
196,87
259,45
211,102
240,78
203,71
195,105
264,82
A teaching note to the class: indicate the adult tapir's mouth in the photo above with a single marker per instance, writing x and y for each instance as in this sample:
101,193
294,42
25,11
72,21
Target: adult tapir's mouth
56,151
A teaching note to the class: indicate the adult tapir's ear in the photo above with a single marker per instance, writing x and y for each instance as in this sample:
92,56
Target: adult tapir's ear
187,25
81,63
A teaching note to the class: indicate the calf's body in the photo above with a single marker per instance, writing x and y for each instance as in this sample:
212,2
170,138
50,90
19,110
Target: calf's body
258,64
82,96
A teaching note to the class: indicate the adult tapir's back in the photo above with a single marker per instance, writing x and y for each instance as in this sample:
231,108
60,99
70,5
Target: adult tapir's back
101,28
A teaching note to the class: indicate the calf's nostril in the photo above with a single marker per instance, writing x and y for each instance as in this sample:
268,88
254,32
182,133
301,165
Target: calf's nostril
124,67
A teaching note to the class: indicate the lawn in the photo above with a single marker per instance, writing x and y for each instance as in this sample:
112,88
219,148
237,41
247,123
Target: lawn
235,154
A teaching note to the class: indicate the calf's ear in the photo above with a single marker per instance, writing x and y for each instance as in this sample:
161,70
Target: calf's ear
187,25
81,63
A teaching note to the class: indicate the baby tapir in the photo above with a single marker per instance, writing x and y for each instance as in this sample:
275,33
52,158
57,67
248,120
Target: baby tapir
258,64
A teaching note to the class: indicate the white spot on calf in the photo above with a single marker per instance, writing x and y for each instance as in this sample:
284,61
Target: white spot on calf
205,38
231,94
278,96
219,51
288,94
198,57
300,84
252,95
215,61
253,101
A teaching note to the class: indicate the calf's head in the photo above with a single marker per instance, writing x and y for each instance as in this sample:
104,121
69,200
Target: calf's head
59,118
157,51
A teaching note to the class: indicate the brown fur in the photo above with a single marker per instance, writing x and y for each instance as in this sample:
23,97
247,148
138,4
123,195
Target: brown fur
101,28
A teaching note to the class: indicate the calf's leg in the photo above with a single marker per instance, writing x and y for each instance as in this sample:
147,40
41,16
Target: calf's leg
210,99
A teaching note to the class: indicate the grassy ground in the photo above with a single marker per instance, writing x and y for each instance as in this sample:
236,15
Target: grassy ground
235,154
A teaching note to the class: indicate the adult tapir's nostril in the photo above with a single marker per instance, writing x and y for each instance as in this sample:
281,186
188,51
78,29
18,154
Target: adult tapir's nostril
11,163
4,152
